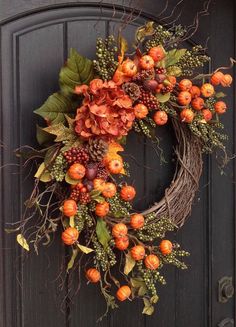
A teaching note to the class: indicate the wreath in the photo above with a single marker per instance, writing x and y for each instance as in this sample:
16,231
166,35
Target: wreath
80,161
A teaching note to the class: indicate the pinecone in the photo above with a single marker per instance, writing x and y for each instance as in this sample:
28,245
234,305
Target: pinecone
97,149
132,90
149,100
84,198
76,155
143,75
102,172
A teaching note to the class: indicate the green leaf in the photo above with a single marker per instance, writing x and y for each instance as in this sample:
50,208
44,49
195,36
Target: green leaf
71,181
173,56
22,241
174,71
72,259
78,70
148,307
102,232
61,132
84,249
220,95
99,199
55,107
129,264
163,97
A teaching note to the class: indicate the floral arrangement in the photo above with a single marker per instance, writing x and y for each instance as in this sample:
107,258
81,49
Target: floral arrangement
80,161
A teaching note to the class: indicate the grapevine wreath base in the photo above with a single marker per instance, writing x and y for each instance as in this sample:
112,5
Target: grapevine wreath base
85,190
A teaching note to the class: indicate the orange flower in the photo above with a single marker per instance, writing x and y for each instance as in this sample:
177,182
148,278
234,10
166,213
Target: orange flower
106,110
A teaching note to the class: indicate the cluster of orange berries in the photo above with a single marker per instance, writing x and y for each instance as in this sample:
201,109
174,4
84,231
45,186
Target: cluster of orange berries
192,95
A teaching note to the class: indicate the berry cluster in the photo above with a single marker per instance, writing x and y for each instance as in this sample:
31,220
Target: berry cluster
149,100
76,155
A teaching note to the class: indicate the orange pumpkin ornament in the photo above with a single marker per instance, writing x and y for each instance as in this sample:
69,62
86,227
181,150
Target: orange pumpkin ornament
216,78
187,115
184,98
207,114
152,262
226,80
123,293
119,230
129,68
102,209
166,247
115,166
136,221
160,118
137,252
157,53
93,275
197,103
70,236
207,90
99,184
76,171
146,62
185,85
172,79
195,91
140,111
122,243
220,107
69,208
109,190
127,193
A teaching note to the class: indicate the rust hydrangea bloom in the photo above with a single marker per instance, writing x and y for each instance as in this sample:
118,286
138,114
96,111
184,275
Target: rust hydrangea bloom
106,110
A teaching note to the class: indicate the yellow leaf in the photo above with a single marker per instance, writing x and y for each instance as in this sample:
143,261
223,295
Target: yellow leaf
43,174
84,249
123,47
72,259
129,264
22,241
72,222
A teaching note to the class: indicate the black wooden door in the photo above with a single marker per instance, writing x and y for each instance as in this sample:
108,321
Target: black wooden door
35,38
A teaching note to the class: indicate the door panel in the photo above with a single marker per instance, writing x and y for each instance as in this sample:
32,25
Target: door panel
33,48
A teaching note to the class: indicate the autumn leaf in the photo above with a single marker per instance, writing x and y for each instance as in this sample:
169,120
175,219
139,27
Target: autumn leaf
148,307
43,174
129,264
72,259
143,31
163,97
84,249
22,241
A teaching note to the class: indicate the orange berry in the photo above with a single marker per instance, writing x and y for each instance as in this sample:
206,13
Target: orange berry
226,80
69,208
102,209
115,166
207,114
140,111
136,221
160,118
70,236
122,243
185,85
216,78
93,275
195,91
129,68
184,98
137,252
197,103
220,107
146,62
157,53
166,247
119,230
109,190
123,293
152,262
76,171
187,115
207,90
127,193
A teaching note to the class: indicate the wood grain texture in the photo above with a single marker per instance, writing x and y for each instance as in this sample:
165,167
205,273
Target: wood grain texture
33,47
